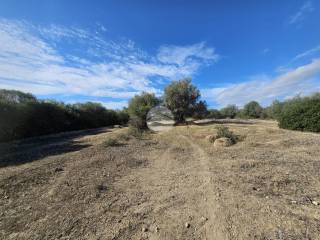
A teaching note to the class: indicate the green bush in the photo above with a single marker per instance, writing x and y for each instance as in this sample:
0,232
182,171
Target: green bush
229,111
223,131
301,113
22,115
139,107
274,110
252,110
214,113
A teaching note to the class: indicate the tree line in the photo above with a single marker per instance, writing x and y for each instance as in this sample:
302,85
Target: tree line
183,99
22,115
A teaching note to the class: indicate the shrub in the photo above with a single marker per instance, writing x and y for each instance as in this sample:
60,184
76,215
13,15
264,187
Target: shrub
214,113
230,111
223,131
22,115
111,142
274,110
252,110
301,114
136,132
139,107
181,98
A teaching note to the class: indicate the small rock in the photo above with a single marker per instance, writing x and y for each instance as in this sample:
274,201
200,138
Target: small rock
187,225
293,202
119,220
204,219
211,138
58,169
144,229
315,203
222,142
157,229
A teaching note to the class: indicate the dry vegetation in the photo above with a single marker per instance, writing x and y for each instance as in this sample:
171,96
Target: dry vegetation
170,185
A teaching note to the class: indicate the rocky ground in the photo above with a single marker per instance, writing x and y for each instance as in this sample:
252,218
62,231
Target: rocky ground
167,185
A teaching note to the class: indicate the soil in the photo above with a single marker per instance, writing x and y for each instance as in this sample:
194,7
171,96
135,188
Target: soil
164,185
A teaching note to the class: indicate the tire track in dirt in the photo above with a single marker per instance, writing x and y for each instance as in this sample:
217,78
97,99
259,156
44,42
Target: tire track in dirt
215,229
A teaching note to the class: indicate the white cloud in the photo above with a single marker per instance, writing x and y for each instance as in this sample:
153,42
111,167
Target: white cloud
296,81
306,8
114,104
182,55
32,59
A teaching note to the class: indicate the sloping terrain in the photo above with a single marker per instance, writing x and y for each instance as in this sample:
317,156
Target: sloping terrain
169,185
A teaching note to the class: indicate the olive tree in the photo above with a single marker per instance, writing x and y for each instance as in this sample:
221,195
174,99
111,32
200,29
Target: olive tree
229,111
252,110
181,97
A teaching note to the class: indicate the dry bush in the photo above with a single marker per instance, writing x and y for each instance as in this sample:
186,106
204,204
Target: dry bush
111,142
224,132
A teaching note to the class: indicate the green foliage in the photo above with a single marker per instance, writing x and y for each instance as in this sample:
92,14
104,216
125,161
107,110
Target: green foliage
214,113
13,96
223,131
301,113
200,110
229,111
22,115
181,98
252,110
139,107
274,110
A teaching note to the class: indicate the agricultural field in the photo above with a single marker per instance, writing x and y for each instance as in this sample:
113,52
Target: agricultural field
111,184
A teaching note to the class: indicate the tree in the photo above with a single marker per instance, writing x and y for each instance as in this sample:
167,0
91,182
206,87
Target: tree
181,97
275,109
214,113
200,110
229,111
252,110
139,107
13,96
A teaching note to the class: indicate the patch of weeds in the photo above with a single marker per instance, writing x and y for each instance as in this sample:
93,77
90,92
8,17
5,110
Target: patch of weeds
223,131
136,132
111,142
124,137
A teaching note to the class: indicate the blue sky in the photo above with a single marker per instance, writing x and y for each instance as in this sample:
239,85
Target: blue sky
108,51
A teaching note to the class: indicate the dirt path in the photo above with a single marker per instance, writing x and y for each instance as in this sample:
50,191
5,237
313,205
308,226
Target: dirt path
168,185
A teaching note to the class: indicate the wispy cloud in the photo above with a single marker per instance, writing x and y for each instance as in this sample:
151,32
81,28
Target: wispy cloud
265,51
306,8
307,53
300,80
182,55
47,60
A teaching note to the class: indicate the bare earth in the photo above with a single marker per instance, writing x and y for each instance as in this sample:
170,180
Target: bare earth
168,185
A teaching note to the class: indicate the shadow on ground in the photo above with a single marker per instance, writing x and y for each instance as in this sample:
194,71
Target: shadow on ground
32,149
